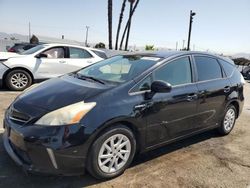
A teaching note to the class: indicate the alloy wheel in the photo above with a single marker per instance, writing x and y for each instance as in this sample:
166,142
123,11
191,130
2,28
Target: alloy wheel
114,153
229,120
19,80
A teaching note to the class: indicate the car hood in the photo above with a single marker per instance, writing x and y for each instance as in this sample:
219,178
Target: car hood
59,92
7,55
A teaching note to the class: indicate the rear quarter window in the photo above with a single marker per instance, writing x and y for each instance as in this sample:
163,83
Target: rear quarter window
100,54
228,67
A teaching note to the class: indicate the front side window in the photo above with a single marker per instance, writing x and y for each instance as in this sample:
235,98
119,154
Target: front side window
176,72
207,68
54,53
119,68
76,53
144,85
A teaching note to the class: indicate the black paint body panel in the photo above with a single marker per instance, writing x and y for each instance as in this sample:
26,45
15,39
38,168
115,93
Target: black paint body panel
166,117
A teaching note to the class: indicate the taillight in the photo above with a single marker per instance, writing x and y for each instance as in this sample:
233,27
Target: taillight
11,50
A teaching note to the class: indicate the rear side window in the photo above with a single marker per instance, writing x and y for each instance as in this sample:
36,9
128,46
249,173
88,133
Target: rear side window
176,72
228,67
207,68
100,54
78,53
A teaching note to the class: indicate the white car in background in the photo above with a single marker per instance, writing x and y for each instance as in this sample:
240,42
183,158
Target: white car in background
19,71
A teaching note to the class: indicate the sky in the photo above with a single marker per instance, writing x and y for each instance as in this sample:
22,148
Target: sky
219,25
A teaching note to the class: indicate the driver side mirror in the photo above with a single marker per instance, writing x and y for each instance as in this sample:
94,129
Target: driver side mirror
41,56
160,87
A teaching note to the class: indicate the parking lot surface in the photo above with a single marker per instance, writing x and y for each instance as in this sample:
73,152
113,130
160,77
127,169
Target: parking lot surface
206,160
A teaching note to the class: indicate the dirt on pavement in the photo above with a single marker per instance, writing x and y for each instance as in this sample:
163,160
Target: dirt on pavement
205,160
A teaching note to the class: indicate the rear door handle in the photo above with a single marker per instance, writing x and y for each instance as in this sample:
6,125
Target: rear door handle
227,89
192,97
62,61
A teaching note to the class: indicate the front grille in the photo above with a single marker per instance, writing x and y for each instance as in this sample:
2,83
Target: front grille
21,154
17,116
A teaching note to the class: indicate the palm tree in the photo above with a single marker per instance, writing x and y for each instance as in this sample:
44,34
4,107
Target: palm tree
129,25
128,22
119,23
110,7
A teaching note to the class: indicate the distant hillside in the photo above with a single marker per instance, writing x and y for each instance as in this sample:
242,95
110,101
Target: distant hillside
24,38
244,55
45,39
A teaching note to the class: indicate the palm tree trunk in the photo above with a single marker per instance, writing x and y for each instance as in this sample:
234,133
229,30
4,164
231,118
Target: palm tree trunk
127,24
119,24
110,7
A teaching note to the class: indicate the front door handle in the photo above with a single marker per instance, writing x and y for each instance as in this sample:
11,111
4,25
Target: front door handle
62,61
140,106
227,89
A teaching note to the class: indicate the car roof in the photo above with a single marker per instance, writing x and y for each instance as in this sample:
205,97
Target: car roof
173,53
70,45
166,54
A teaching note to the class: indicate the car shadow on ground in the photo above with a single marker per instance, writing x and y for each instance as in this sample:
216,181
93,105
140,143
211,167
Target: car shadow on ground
12,175
4,89
153,154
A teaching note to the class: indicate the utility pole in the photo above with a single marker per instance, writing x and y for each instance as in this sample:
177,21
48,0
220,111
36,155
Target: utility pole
29,32
176,46
87,33
190,28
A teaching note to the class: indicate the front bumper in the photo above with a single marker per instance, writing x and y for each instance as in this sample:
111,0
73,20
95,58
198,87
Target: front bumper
37,152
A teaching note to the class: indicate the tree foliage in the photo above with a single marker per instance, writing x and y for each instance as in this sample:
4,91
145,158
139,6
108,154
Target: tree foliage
149,47
100,45
34,40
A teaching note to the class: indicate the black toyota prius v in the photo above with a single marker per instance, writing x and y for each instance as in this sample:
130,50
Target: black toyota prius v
99,117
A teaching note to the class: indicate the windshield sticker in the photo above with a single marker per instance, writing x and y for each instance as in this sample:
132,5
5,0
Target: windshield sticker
151,58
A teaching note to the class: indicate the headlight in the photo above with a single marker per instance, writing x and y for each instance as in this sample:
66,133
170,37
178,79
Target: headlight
67,115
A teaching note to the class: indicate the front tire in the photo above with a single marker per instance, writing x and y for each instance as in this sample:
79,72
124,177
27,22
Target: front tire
18,80
228,120
111,153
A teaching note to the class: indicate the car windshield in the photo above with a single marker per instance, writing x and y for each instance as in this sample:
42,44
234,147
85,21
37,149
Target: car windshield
119,68
33,50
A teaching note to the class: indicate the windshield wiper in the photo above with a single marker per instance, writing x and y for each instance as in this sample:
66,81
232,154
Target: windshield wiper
80,76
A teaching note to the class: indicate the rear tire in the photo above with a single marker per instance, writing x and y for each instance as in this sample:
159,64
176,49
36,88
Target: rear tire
107,160
228,121
18,80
